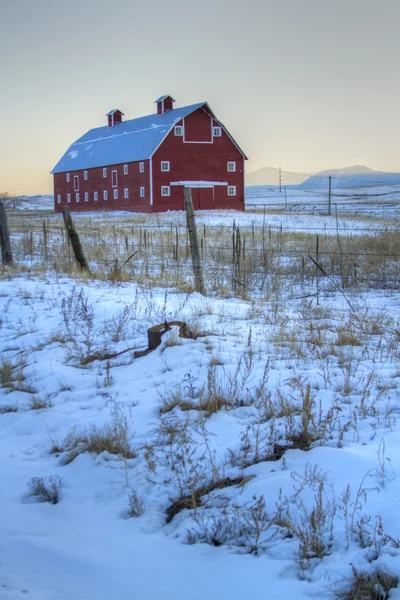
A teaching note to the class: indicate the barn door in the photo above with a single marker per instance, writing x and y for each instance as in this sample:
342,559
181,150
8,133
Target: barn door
206,198
203,198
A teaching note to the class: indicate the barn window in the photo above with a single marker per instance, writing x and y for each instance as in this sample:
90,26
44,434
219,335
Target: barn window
104,172
77,197
86,196
85,175
115,194
114,178
142,192
126,193
141,167
76,183
232,167
125,169
165,190
95,195
68,177
217,131
178,130
59,198
105,195
68,197
165,165
231,190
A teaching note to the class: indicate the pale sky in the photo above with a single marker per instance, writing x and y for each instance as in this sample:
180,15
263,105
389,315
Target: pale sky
308,84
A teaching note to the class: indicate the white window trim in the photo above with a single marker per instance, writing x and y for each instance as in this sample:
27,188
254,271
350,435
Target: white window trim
105,195
165,190
58,198
126,193
217,131
77,197
166,164
231,190
115,194
141,167
178,130
114,178
125,169
76,183
68,197
104,172
95,196
233,164
142,192
85,175
86,196
68,177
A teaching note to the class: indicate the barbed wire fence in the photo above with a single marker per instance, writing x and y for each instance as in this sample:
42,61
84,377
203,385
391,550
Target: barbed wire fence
238,260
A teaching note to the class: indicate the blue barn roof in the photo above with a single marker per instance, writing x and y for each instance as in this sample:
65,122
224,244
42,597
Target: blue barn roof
126,142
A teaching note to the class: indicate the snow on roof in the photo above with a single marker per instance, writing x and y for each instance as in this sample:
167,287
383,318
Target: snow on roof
128,141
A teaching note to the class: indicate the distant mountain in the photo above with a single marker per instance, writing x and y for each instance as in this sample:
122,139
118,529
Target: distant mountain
356,176
270,176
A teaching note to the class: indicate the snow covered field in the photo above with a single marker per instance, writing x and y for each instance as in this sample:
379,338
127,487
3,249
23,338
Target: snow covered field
269,440
380,200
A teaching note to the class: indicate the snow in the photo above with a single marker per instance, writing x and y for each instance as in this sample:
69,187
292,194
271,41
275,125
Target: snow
379,200
84,546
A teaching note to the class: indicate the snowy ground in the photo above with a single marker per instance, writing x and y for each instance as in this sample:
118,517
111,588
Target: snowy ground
381,200
285,372
38,202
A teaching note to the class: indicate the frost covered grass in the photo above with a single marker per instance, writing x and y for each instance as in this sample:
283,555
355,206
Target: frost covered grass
242,253
262,448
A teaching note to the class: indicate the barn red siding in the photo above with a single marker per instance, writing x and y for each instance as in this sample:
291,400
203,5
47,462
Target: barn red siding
198,162
198,127
95,182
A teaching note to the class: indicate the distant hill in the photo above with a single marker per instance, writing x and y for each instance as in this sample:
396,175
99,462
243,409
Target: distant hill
356,176
270,176
36,202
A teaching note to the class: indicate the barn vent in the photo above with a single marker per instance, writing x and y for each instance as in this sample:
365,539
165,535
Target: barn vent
114,117
164,104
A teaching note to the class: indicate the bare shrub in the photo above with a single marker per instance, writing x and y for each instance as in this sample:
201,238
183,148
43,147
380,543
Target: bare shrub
248,527
45,489
136,505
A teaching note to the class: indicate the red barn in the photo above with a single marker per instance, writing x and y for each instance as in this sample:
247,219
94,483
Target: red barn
144,164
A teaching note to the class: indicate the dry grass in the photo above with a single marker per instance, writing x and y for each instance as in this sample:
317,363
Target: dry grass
114,437
368,586
12,377
154,252
194,500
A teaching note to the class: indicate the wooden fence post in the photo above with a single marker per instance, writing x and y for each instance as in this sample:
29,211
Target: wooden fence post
6,254
194,242
74,239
